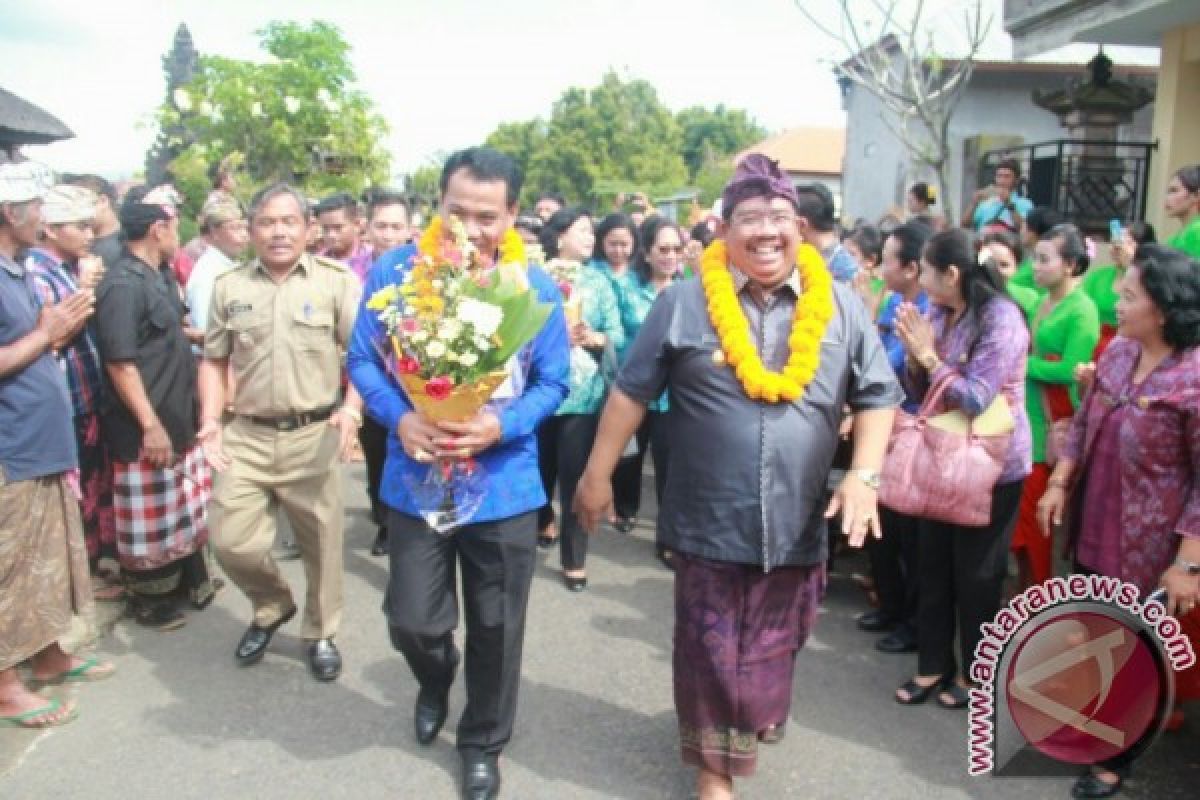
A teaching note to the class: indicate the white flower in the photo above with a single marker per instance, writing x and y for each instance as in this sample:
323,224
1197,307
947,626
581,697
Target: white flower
468,360
183,100
291,104
452,357
206,108
485,318
256,109
482,343
418,337
450,328
436,349
438,284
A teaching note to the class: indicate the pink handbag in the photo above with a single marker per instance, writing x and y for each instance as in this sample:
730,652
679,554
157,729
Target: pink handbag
938,473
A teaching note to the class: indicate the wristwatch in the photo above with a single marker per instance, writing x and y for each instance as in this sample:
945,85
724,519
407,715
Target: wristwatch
869,477
1191,568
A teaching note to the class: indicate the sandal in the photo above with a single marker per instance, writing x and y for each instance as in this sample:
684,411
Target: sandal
92,669
26,720
960,697
917,693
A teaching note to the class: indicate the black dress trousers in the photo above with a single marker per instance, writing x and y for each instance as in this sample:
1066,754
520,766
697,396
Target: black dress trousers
497,561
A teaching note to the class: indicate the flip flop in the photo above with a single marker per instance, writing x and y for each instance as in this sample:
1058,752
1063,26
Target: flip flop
90,670
23,720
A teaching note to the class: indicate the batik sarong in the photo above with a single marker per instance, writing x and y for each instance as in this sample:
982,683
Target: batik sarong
737,632
44,577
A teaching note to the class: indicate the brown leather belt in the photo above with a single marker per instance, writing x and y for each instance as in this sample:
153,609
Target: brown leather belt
294,422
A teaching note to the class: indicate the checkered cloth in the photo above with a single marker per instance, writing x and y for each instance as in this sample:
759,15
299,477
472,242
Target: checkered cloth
161,514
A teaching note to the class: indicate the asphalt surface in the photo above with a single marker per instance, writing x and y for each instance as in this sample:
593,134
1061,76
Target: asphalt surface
180,720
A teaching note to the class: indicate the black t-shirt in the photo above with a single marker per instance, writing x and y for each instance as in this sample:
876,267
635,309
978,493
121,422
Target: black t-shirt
139,318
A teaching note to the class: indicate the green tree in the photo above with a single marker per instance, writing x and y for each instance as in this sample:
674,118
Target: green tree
519,140
618,133
296,117
710,134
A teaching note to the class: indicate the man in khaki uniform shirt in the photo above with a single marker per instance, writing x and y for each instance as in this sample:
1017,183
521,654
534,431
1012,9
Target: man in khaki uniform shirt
281,323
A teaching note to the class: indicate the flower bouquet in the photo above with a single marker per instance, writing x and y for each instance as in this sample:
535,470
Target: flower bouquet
452,327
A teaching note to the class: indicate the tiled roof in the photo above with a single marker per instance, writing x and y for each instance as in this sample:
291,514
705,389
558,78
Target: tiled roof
812,150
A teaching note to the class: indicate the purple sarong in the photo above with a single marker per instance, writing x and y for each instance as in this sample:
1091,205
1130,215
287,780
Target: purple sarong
737,632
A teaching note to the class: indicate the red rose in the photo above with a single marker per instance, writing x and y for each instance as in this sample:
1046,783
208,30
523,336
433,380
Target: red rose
407,365
439,388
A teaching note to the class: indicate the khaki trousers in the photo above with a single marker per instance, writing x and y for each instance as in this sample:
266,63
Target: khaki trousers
298,470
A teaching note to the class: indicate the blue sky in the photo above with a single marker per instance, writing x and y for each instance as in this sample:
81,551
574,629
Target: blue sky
468,65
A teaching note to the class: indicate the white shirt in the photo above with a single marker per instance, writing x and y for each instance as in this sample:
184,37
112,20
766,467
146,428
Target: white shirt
210,266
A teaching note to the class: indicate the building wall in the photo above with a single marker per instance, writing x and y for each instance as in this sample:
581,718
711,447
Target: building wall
1176,117
877,171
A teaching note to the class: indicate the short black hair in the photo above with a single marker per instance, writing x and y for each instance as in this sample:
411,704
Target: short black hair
376,198
485,164
912,237
616,221
557,225
341,201
1041,219
868,240
546,194
815,204
1172,279
703,233
1010,164
268,193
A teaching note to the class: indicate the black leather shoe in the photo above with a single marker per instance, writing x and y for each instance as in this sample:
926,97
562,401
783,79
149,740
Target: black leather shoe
875,622
429,714
379,547
575,583
255,640
1089,786
901,640
324,660
481,777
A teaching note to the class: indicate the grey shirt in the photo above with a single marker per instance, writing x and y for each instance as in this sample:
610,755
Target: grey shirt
746,479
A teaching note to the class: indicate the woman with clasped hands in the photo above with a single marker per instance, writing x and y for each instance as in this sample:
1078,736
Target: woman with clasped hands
974,336
1127,484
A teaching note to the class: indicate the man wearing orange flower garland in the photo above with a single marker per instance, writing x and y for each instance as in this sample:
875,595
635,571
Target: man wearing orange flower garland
760,356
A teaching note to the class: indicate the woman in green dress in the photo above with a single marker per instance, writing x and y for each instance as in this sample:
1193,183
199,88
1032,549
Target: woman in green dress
1006,252
1101,283
1183,203
1064,334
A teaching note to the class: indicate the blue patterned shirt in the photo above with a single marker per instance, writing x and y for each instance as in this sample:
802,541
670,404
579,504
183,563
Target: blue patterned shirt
514,485
79,360
636,298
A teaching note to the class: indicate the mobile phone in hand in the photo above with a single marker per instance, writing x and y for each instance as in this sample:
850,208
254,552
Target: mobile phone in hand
1115,231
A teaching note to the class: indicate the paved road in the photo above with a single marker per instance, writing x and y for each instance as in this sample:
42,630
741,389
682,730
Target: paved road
181,721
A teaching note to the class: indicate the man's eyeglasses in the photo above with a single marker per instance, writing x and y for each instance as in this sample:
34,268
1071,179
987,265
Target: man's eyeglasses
755,219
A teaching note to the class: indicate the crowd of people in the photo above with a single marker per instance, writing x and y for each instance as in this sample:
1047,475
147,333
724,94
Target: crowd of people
162,402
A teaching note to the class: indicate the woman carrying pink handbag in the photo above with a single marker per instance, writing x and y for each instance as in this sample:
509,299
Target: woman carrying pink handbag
972,347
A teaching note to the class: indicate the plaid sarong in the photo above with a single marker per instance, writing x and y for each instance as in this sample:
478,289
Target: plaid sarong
161,514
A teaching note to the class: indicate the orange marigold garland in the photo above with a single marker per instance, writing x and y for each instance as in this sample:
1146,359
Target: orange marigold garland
814,310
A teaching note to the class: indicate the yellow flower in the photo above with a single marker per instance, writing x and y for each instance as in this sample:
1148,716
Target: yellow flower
813,313
383,298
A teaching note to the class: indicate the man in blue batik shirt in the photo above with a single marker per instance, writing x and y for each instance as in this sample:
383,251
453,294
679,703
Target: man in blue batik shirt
496,549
